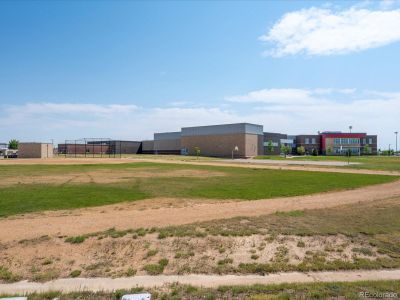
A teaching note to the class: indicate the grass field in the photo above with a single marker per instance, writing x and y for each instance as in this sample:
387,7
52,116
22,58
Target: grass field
337,290
384,163
30,188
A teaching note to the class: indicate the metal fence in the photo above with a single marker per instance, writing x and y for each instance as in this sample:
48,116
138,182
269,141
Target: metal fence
90,147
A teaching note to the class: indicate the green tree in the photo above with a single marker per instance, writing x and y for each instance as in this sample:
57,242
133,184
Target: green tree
301,150
285,150
314,152
329,151
367,149
13,144
197,151
270,146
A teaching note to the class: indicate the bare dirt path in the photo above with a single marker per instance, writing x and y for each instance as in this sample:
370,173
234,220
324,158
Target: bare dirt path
109,284
164,212
249,163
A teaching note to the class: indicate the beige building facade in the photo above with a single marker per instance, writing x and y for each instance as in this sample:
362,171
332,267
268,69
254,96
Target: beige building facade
35,150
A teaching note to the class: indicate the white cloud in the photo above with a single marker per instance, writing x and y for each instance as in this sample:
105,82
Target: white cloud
324,31
286,96
292,111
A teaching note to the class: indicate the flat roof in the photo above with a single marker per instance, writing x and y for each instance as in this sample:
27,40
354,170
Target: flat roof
223,129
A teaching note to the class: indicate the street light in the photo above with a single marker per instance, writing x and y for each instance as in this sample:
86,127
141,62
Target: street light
235,149
396,139
350,128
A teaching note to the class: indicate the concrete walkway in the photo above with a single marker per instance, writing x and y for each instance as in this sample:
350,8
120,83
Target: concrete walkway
109,284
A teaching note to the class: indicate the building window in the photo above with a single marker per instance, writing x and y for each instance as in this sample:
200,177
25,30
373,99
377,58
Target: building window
370,140
307,141
313,141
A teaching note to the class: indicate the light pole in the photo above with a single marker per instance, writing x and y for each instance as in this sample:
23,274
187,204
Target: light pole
235,149
350,128
396,139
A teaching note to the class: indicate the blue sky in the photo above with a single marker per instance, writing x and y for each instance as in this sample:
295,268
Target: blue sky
126,69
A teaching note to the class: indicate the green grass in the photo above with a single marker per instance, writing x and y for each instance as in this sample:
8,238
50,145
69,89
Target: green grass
384,163
238,183
318,290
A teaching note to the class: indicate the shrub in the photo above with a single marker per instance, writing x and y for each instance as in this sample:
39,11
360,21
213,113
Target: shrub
131,272
301,244
75,239
75,273
225,261
151,253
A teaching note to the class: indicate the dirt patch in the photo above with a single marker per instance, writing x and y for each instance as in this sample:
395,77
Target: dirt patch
106,176
126,216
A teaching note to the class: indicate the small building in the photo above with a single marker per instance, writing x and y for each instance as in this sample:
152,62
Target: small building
35,150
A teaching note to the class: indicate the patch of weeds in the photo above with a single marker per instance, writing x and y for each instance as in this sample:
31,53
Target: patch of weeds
75,239
293,213
301,244
156,269
254,256
363,250
225,261
7,276
221,250
46,275
47,261
151,252
184,255
75,273
130,272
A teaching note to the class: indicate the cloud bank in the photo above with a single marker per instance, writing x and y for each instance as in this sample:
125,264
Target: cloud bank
323,31
292,111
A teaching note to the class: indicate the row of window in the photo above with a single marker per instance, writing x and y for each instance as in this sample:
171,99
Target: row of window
343,150
307,141
369,141
346,141
351,141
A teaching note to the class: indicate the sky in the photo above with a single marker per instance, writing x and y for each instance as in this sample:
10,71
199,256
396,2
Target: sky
127,69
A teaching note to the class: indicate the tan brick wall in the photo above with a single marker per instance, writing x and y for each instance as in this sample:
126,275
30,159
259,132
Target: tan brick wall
35,150
222,145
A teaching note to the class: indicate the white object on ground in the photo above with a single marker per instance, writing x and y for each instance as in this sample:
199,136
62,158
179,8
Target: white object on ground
143,296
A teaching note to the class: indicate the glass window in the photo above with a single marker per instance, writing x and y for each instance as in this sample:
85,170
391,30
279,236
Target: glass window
370,140
313,141
307,141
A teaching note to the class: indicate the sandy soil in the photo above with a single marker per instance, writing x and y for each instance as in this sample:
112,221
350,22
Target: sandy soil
128,215
228,163
113,257
108,284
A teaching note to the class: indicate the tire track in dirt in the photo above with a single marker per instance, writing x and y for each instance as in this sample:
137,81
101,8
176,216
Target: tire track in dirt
132,215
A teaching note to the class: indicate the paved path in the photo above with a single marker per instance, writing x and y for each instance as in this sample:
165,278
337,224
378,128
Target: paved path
109,284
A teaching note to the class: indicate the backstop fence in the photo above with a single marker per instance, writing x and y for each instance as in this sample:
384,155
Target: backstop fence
90,147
